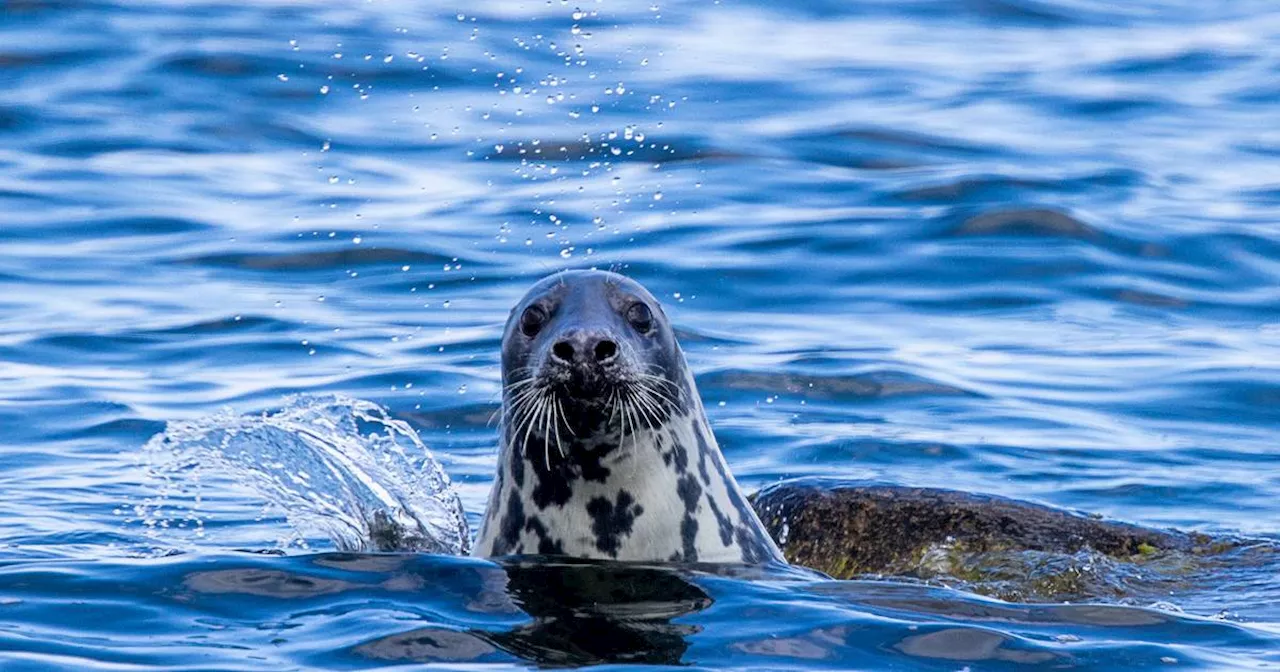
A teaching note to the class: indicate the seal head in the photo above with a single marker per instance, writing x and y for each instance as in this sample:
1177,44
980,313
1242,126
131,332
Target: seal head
605,448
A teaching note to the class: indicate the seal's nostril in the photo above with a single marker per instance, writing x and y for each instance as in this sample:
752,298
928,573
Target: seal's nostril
563,351
606,350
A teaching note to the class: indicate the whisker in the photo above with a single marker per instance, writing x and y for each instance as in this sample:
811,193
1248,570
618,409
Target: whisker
662,403
524,444
566,419
666,388
622,409
558,413
613,405
635,424
525,394
645,406
546,426
519,384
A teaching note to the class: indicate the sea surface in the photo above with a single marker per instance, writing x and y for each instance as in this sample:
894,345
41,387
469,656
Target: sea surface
1028,248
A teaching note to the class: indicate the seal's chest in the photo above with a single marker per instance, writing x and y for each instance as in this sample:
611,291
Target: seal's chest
636,518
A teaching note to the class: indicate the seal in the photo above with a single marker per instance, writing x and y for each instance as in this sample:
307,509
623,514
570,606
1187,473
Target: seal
605,450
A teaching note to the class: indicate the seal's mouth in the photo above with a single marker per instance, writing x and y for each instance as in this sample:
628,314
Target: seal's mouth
566,413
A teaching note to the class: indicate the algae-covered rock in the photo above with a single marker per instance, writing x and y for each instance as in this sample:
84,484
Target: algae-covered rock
995,545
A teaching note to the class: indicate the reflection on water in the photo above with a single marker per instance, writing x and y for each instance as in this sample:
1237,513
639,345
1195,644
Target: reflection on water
555,613
577,613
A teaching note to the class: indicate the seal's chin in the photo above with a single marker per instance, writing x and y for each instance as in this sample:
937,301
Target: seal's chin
588,396
584,387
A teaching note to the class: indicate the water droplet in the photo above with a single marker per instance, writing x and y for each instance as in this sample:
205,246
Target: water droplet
462,389
405,267
324,90
282,77
333,179
357,240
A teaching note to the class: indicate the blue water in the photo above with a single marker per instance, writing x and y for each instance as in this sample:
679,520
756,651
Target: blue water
1029,248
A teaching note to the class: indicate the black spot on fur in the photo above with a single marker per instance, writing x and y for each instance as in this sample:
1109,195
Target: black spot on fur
517,470
690,492
681,456
703,449
589,462
689,537
546,545
748,534
752,549
722,522
551,491
498,487
553,486
512,522
734,498
611,522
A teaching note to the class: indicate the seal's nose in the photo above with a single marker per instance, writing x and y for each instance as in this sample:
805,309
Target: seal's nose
585,349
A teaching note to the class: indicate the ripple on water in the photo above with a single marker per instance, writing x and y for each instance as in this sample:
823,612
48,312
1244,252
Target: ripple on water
871,385
932,243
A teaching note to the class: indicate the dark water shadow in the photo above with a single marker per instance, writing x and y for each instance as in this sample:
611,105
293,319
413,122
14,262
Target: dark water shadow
580,614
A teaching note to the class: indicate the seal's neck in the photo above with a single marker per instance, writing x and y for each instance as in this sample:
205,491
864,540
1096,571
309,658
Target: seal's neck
643,491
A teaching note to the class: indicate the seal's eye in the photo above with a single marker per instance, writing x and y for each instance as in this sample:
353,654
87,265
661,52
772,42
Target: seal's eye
640,317
532,319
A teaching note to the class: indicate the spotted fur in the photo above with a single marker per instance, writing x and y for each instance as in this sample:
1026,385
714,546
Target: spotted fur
651,490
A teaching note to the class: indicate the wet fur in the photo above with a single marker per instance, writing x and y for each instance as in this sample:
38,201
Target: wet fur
589,481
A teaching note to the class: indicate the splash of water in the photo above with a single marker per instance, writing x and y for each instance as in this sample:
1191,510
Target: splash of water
336,467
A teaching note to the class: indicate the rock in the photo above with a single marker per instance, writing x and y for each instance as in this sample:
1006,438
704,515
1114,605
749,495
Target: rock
994,545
